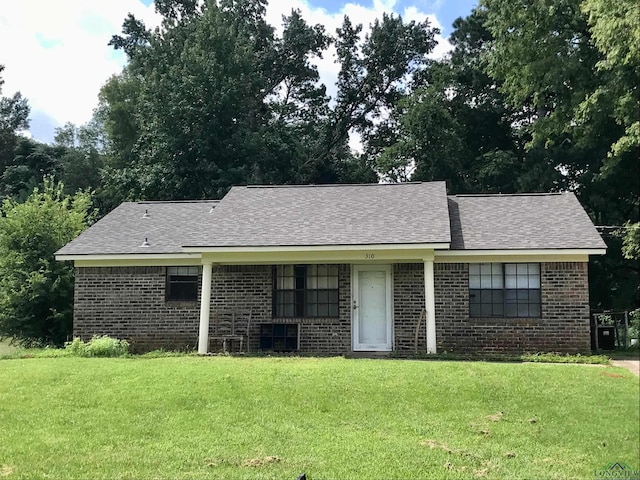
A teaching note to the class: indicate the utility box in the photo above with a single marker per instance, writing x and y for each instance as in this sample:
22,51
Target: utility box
606,337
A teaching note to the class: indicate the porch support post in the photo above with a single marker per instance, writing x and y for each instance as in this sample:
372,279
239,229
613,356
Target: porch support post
430,304
205,308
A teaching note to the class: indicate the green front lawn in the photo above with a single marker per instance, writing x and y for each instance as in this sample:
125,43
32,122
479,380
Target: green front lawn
221,417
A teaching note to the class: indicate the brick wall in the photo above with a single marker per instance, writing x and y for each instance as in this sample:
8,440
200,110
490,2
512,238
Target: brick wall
129,302
240,287
408,303
564,326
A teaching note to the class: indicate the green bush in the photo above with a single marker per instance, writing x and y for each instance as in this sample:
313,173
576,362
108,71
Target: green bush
36,290
103,346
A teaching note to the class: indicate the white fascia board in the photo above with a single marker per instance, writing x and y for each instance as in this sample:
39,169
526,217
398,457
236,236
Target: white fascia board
360,254
157,259
559,255
318,248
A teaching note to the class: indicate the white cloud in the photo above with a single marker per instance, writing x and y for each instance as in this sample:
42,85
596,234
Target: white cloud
58,56
56,52
358,14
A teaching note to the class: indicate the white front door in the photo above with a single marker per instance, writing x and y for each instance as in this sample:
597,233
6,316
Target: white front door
371,306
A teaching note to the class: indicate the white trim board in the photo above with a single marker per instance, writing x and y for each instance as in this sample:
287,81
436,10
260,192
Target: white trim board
478,256
352,255
148,261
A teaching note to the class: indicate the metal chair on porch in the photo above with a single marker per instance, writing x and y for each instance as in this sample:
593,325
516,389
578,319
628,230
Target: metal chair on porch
230,325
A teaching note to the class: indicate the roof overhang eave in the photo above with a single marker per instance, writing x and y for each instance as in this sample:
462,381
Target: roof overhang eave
126,256
526,251
315,248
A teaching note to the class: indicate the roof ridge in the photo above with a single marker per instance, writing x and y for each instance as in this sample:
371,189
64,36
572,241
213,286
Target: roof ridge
338,185
164,202
531,194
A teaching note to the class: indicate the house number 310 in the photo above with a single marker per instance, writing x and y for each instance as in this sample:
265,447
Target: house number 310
369,256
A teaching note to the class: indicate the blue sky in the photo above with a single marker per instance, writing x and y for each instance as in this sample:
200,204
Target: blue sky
445,10
59,58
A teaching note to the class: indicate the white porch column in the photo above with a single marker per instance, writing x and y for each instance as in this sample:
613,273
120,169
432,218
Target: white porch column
430,304
205,307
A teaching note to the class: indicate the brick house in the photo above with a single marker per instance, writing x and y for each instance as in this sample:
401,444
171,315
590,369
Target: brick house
335,269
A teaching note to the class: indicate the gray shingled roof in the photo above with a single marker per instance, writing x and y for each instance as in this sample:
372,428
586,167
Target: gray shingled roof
529,221
329,215
124,229
344,215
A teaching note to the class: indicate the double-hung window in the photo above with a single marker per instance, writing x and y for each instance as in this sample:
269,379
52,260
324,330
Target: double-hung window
182,284
509,290
305,291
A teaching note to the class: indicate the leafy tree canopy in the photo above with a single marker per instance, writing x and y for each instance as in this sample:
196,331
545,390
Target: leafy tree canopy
14,117
36,291
569,63
214,97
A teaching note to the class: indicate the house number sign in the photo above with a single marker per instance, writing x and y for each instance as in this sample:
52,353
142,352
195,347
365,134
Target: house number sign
369,256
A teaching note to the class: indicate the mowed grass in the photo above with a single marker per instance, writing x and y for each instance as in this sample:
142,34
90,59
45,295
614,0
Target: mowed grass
333,418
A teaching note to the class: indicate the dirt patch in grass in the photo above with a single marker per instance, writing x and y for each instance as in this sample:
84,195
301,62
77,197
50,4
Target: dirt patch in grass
260,462
435,444
5,470
496,417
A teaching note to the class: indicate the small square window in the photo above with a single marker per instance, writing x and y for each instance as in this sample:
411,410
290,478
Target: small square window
182,284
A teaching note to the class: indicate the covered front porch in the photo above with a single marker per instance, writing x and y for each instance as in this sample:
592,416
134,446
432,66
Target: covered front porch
376,299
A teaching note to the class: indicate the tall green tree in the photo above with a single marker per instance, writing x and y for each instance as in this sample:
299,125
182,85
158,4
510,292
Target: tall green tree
36,291
535,96
81,156
455,124
14,118
30,164
215,97
558,60
615,27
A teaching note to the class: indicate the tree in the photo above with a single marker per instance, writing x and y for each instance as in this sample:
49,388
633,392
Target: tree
631,242
428,146
30,164
215,97
36,291
615,28
204,93
14,117
82,160
568,65
455,124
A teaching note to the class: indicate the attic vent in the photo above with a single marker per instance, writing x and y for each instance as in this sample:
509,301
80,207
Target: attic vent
145,243
146,214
